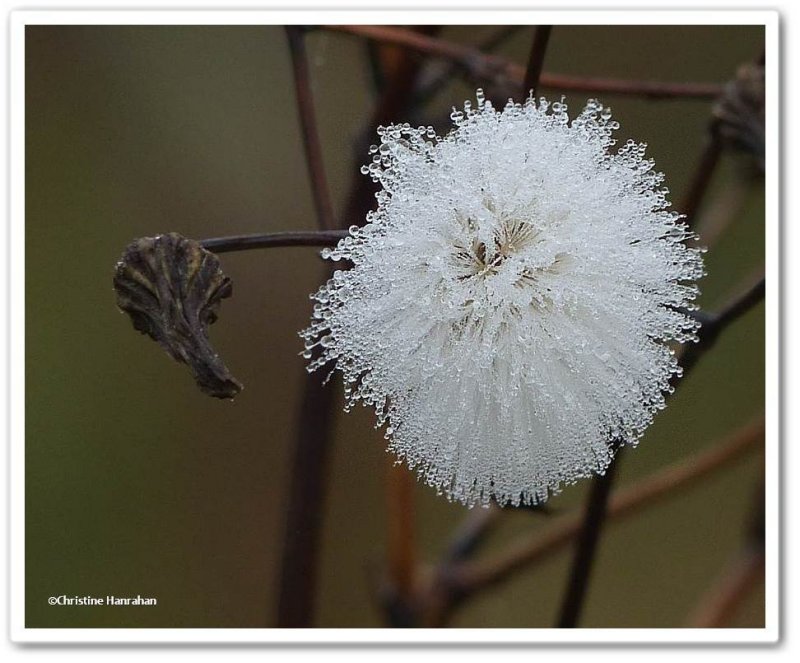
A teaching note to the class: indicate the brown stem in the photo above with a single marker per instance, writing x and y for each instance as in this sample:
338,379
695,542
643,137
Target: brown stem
298,572
471,533
536,60
703,174
400,539
498,69
588,537
308,123
714,325
601,487
468,578
718,606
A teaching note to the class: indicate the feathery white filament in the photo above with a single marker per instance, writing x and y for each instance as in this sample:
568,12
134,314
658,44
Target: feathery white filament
509,301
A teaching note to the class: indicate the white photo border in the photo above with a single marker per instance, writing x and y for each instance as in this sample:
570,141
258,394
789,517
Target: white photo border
21,634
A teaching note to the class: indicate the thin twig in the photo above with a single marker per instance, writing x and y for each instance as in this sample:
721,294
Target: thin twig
601,487
536,60
736,307
301,544
273,240
308,123
589,535
450,585
714,325
700,181
472,533
718,606
468,578
494,68
298,571
400,539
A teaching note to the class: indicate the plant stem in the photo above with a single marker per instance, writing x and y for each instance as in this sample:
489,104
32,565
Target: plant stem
593,520
703,174
719,605
491,67
468,578
451,587
308,124
273,240
298,574
714,325
297,586
536,60
395,98
400,530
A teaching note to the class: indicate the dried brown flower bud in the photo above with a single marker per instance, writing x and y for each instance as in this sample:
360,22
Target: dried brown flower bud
172,287
740,111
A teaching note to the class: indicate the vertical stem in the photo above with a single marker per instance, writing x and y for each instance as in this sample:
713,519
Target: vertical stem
536,59
298,572
298,579
400,524
308,123
591,528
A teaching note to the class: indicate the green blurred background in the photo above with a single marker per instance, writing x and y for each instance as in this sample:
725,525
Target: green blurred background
137,483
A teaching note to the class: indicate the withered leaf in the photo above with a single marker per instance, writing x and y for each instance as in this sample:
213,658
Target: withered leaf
740,112
172,288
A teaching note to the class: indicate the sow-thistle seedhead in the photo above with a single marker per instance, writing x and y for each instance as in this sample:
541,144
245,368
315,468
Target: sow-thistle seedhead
509,304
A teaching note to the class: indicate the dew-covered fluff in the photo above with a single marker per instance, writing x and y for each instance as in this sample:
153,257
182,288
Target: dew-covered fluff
506,309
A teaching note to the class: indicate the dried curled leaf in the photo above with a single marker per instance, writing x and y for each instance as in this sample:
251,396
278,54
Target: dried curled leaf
172,287
740,111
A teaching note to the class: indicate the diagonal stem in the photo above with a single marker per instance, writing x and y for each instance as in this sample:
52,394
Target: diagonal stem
593,521
720,603
580,571
703,174
468,578
458,580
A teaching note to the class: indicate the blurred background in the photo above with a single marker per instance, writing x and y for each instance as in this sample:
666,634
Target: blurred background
137,483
